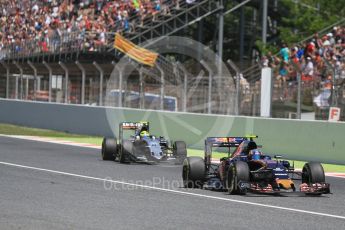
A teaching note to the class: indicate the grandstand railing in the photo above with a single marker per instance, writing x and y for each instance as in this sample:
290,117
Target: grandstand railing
168,24
324,30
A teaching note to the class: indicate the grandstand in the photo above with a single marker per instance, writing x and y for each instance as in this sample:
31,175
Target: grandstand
62,51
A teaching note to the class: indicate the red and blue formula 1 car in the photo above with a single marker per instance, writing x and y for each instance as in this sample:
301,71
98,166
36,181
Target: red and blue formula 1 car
247,169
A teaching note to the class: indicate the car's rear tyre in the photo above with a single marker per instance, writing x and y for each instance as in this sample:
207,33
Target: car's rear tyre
109,149
180,151
193,172
126,151
238,171
312,173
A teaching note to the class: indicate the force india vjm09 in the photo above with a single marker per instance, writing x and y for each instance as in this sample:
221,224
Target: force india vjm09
247,169
141,146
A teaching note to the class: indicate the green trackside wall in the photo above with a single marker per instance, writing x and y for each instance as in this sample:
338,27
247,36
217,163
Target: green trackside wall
301,140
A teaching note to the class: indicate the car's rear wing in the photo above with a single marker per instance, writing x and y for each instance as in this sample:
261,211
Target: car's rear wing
227,141
132,125
129,125
224,141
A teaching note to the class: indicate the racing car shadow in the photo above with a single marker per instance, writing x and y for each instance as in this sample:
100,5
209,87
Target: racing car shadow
275,194
284,195
155,164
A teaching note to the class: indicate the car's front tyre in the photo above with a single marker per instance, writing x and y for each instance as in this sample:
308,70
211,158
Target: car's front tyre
238,171
312,173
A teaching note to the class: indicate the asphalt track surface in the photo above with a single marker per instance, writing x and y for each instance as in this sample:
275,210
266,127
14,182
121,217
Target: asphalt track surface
52,186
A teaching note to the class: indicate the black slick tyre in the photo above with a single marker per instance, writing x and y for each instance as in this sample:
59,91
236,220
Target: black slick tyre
193,172
180,151
238,171
109,149
312,173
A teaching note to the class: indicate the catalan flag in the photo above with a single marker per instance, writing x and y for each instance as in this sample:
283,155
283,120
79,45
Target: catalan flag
135,52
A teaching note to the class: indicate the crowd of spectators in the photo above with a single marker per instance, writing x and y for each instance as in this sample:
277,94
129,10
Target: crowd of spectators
48,23
320,60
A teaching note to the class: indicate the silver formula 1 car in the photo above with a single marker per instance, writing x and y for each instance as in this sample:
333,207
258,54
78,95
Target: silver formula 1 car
142,147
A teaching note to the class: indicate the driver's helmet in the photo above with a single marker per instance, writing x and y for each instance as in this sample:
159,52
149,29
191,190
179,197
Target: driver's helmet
142,126
144,134
255,154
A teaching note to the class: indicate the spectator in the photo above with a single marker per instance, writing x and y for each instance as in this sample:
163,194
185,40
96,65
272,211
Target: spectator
177,4
308,70
310,49
318,41
283,73
284,52
264,61
318,60
330,38
294,56
44,22
300,53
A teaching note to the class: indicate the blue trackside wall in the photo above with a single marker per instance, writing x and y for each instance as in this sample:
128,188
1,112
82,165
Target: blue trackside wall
294,139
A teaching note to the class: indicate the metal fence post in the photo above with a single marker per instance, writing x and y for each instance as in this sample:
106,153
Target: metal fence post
82,69
334,90
50,80
238,85
299,87
113,72
64,67
210,74
21,81
220,37
7,79
184,88
238,79
141,89
162,86
299,95
264,21
334,101
101,73
35,76
120,84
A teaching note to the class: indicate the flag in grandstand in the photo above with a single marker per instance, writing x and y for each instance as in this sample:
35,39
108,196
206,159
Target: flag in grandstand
135,52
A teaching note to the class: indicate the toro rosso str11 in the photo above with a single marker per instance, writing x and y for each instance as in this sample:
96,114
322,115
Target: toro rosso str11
141,146
247,169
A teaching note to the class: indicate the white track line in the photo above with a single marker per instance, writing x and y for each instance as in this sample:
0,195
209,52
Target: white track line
53,141
176,191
